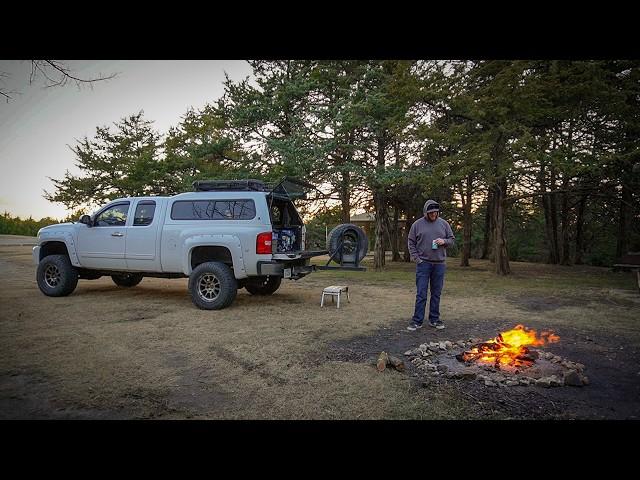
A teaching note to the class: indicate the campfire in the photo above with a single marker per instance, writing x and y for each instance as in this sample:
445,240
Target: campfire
509,349
508,360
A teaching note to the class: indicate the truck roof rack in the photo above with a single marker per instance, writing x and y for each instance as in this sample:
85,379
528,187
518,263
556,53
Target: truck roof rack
287,187
230,185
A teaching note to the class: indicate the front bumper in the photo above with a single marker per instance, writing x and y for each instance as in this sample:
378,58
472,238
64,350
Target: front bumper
35,253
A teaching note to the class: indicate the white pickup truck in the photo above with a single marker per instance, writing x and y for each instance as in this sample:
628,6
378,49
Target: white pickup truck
223,236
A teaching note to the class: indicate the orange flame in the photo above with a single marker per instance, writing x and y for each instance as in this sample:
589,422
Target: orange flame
510,347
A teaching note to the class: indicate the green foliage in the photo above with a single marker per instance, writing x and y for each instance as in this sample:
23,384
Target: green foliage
319,226
10,225
387,135
115,164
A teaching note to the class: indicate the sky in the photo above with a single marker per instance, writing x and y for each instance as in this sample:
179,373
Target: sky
38,125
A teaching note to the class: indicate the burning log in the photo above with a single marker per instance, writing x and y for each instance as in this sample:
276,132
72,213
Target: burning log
508,348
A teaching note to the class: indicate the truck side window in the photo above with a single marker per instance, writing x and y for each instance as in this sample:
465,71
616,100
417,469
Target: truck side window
144,213
115,216
213,210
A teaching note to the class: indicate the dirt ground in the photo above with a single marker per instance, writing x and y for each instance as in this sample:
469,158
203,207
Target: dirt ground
107,352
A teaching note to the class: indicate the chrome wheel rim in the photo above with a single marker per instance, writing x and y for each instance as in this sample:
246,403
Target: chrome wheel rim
52,276
208,287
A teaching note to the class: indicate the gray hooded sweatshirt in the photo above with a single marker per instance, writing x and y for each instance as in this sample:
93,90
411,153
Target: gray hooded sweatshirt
422,234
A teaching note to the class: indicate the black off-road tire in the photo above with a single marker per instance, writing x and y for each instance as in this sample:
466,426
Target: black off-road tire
127,279
355,238
212,286
263,285
56,276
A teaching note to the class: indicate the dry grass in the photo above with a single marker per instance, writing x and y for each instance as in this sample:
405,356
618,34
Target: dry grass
147,352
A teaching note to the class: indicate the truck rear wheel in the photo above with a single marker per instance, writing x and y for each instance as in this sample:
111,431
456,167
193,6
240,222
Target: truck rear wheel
127,279
212,286
56,276
263,285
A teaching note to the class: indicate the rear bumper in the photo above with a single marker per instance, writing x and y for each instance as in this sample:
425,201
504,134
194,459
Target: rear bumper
299,255
285,269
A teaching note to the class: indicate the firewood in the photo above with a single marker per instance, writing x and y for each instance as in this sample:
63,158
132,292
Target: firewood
383,359
396,363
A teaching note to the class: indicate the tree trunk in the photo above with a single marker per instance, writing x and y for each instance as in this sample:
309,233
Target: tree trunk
579,234
395,236
553,218
622,245
564,217
345,197
378,249
405,238
467,224
545,202
487,245
395,240
499,187
380,206
501,255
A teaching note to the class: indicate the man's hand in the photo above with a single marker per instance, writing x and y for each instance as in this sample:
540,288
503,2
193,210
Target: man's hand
440,241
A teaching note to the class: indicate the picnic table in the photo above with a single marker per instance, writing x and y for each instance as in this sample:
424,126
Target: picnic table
630,261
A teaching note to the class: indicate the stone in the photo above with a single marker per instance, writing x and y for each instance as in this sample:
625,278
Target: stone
433,344
572,378
442,346
555,381
468,374
511,383
543,382
489,383
580,366
448,344
585,380
524,381
426,354
442,368
408,353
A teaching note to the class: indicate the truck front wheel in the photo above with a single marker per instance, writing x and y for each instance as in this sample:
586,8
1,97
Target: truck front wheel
212,286
263,285
56,276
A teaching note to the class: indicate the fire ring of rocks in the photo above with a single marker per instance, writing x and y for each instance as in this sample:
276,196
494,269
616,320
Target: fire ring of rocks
508,360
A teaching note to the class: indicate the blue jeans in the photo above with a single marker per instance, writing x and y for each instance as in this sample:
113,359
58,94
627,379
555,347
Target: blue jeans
426,272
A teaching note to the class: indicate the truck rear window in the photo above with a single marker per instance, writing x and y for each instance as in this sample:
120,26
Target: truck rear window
213,210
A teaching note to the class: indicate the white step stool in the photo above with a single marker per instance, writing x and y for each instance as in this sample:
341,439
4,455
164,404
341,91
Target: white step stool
335,291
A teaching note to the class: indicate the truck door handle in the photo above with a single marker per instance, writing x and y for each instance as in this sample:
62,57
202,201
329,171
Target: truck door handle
117,234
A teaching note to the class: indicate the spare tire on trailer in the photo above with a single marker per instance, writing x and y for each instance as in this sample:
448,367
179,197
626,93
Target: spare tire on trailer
355,245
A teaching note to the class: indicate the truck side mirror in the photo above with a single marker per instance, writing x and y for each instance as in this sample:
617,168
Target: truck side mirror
86,219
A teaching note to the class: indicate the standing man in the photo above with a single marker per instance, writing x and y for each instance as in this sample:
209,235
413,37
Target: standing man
428,240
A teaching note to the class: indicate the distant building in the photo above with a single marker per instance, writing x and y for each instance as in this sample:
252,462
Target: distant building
367,221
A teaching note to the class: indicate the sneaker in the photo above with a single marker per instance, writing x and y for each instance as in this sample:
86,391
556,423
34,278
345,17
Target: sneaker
413,326
438,325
